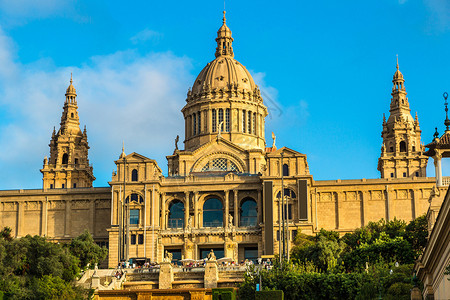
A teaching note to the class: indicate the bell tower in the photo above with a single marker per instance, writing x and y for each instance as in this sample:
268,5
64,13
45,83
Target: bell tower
402,150
68,166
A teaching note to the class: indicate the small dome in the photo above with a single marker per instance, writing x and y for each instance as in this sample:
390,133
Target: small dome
398,75
222,73
71,88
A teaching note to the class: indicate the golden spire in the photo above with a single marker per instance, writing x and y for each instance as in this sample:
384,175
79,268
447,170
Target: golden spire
397,61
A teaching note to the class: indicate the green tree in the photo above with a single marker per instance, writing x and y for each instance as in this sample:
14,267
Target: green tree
86,250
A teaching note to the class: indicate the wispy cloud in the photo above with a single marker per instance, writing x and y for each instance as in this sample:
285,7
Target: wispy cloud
146,35
438,16
121,96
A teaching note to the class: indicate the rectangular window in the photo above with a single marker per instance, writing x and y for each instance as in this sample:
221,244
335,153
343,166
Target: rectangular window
194,116
243,120
214,120
278,235
199,122
140,239
227,120
51,186
221,119
289,211
74,185
63,186
417,174
404,174
254,123
133,239
134,216
249,127
392,174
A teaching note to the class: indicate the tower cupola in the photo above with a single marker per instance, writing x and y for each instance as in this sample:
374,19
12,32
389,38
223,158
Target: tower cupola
224,40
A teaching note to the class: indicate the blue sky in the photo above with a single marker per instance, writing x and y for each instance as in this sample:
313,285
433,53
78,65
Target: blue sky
324,67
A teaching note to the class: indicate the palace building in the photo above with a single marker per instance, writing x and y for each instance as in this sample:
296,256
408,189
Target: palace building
224,185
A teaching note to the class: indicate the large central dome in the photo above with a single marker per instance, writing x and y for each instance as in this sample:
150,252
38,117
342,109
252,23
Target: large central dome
224,98
222,73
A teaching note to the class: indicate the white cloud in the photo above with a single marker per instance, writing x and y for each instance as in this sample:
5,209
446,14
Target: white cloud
439,15
146,35
122,96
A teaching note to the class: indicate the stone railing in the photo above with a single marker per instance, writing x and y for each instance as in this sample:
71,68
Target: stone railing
446,180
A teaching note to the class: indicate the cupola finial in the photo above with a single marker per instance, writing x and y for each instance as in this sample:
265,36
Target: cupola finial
224,39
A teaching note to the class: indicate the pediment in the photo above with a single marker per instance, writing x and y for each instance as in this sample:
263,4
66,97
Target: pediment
286,152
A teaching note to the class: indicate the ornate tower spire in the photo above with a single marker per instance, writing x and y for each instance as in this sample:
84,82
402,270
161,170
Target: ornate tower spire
224,39
403,151
68,166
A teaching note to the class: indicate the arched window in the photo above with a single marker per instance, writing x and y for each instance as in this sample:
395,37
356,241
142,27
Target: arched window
199,116
134,198
249,214
287,192
76,161
65,159
176,214
227,120
134,175
220,164
214,120
254,123
243,120
285,170
221,119
249,120
402,146
71,115
213,213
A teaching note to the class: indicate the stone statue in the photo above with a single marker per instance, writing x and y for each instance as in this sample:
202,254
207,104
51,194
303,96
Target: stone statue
219,129
189,224
230,221
176,142
168,256
274,138
211,255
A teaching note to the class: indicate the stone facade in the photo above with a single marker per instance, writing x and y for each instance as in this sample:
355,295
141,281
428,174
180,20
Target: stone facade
223,191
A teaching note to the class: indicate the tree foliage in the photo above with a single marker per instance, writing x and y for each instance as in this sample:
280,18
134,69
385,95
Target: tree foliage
32,267
86,250
374,260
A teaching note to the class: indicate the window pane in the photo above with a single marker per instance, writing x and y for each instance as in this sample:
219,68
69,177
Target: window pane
134,216
249,213
213,213
133,239
140,239
176,214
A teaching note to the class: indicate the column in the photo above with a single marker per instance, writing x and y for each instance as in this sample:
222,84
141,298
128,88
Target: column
364,196
45,217
336,207
440,172
196,210
227,208
260,205
20,218
68,222
388,203
186,209
163,211
92,218
236,208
